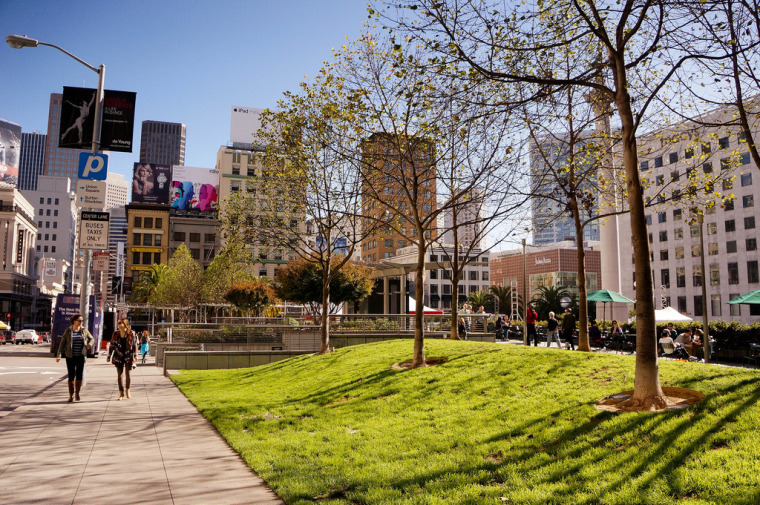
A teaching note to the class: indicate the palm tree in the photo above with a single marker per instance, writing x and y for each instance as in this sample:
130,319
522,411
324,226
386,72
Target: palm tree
483,298
504,295
146,285
549,300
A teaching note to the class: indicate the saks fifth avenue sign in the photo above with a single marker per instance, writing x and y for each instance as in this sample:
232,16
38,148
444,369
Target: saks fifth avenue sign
543,261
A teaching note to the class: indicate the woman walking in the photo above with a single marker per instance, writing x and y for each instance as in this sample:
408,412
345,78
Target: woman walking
74,345
144,343
123,350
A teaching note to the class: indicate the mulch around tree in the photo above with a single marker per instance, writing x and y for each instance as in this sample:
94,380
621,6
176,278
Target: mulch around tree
407,365
675,398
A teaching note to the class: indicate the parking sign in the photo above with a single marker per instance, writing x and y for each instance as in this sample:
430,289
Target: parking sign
93,167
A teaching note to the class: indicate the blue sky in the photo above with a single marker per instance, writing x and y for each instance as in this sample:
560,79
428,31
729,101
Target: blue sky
188,61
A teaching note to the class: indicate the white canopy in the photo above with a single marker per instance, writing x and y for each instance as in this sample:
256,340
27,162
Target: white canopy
425,309
670,314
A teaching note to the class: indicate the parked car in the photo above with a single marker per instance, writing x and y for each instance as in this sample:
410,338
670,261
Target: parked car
27,336
10,336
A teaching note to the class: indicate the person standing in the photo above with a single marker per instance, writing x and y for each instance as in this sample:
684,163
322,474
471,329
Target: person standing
551,331
144,344
74,345
568,328
530,320
123,350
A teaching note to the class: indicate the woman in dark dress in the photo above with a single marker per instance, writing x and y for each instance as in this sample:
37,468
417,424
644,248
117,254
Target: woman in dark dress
74,345
123,353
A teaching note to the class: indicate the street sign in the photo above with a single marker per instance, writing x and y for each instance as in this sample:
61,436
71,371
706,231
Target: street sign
100,261
92,166
91,194
93,230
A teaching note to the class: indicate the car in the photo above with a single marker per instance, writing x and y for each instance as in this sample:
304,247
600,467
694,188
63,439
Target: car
10,336
2,339
27,336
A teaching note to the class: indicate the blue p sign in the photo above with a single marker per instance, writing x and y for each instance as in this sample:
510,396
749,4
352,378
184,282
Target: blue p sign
93,167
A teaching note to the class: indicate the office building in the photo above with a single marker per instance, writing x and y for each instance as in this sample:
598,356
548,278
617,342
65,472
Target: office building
678,163
162,143
32,164
56,215
147,239
384,192
551,221
116,191
18,289
470,215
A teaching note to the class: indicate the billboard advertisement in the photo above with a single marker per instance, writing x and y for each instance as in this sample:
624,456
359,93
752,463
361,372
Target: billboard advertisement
244,123
194,188
151,183
10,151
78,116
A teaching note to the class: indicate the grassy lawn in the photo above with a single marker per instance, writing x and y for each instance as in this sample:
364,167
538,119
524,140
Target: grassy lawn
496,424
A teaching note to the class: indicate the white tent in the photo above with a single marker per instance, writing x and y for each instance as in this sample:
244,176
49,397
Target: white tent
670,314
425,309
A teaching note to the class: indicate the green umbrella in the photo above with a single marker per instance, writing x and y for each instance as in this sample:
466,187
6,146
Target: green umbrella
752,298
604,296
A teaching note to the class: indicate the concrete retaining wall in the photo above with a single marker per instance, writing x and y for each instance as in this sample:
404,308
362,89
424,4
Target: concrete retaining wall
204,360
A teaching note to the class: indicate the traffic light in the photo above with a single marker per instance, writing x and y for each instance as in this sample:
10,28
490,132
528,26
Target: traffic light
116,284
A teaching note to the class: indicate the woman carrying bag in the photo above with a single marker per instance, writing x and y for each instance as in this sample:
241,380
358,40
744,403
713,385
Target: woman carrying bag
74,345
123,350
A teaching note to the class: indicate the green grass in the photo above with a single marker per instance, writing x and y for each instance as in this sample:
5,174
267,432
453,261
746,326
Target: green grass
496,424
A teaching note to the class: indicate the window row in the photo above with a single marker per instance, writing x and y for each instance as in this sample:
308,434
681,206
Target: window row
180,236
753,274
49,200
148,222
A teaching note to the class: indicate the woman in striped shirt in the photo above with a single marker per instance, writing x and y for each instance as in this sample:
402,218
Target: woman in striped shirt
74,345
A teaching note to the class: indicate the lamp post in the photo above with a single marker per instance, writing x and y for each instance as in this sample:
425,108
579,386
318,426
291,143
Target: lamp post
21,41
706,331
525,296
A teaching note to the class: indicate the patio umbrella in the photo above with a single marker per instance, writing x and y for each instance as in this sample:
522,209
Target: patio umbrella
3,326
604,296
670,314
752,298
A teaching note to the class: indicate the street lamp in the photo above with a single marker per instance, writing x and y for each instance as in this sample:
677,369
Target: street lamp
20,41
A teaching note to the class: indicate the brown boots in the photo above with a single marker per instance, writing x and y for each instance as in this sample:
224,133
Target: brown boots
74,387
128,396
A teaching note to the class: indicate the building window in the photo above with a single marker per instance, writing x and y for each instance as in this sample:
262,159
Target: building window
644,165
674,176
179,236
698,306
52,249
195,253
734,309
730,225
147,239
147,222
135,258
725,164
707,168
748,201
753,276
733,273
694,231
714,274
749,222
473,275
673,157
42,212
679,253
434,273
688,153
658,162
389,242
210,238
665,277
159,223
138,222
649,219
146,258
681,304
195,237
234,186
484,276
157,240
728,205
746,179
662,217
664,236
731,246
712,249
137,238
663,255
42,200
723,142
750,244
696,276
745,159
695,251
680,277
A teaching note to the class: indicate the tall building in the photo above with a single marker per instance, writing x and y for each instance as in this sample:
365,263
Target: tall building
18,231
678,163
147,239
162,143
551,221
59,162
32,163
116,190
56,215
470,215
386,190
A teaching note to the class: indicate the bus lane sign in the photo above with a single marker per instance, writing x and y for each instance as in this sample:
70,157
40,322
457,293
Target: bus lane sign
93,230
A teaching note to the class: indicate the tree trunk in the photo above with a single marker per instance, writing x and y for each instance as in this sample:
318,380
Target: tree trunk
647,394
583,343
418,358
324,347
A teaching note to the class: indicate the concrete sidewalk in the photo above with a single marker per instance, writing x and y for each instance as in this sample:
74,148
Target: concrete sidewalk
154,449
